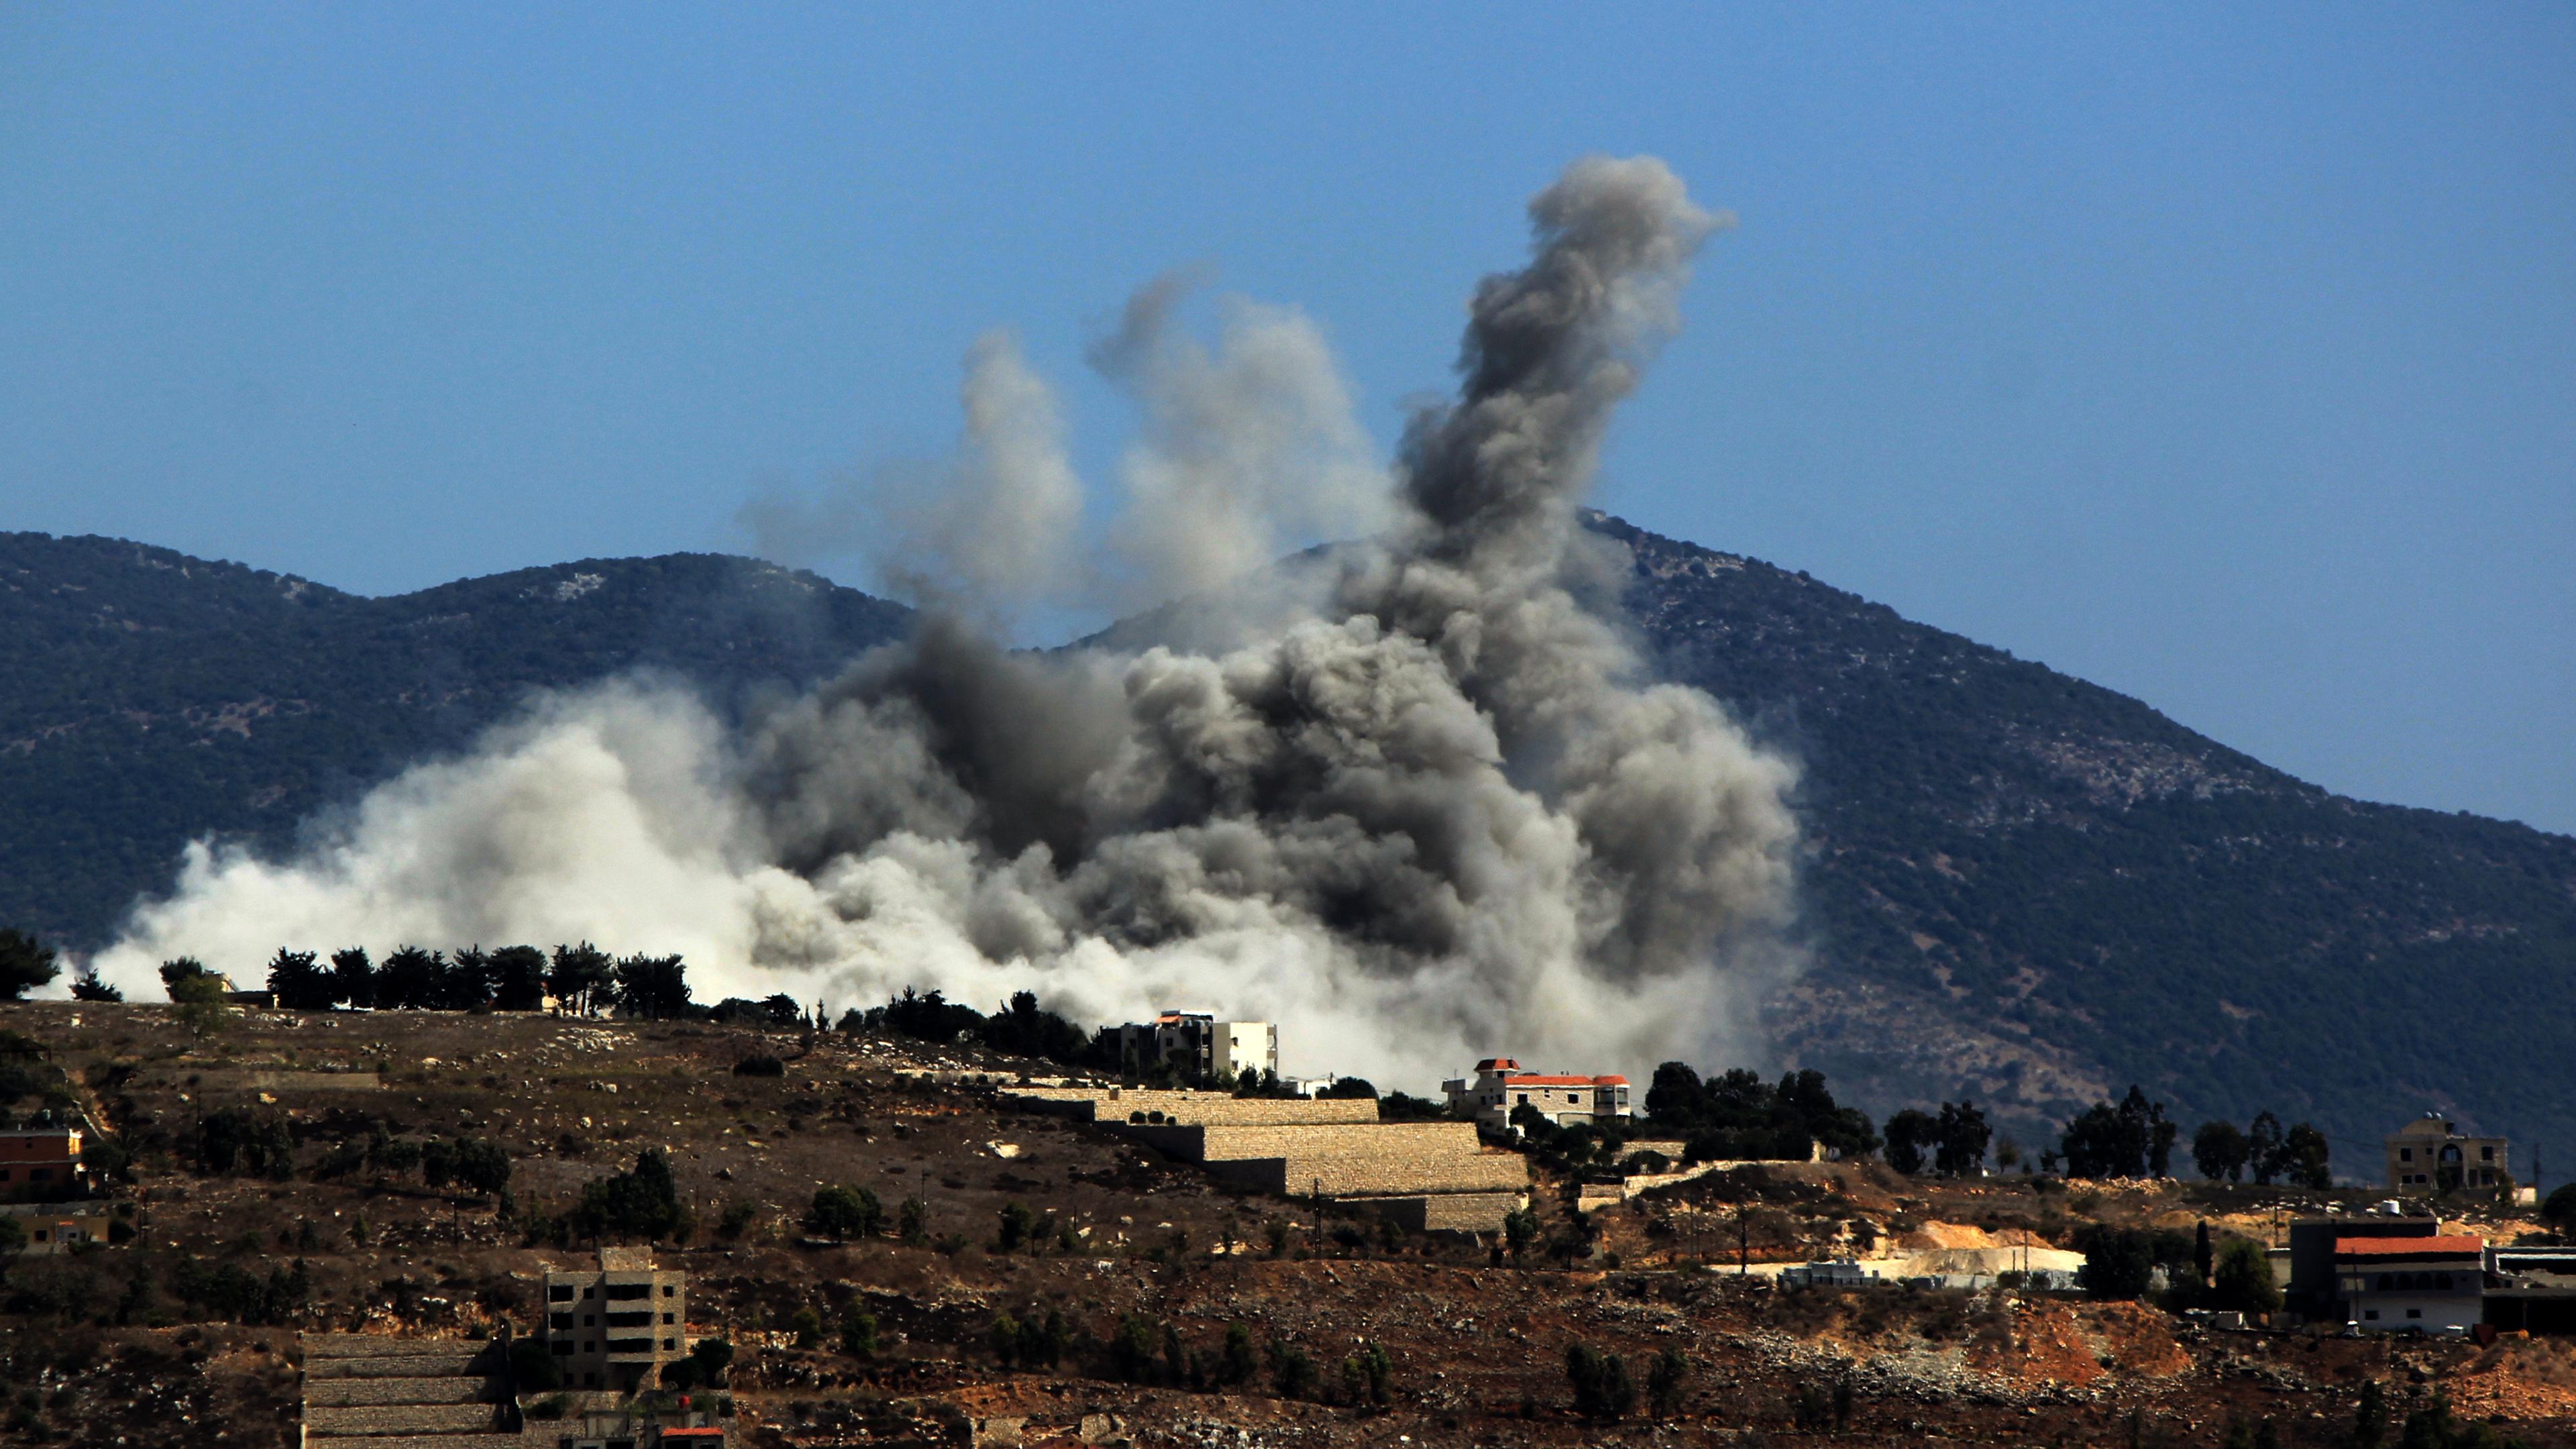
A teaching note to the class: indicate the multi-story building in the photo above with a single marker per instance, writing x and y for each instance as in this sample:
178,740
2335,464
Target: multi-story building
616,1327
2435,1284
41,1162
2430,1155
1198,1044
1502,1086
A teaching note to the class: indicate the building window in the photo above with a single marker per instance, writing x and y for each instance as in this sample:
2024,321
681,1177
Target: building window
4,1174
560,1320
2371,1313
563,1348
40,1174
669,1343
559,1293
2414,1312
2486,1154
668,1290
2384,1280
2441,1282
2406,1154
666,1318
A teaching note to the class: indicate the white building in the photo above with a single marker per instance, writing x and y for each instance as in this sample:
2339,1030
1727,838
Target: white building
1195,1041
2430,1283
1502,1086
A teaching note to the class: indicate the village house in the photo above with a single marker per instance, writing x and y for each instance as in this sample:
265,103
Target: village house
2430,1155
41,1162
1502,1086
616,1328
2388,1284
1196,1043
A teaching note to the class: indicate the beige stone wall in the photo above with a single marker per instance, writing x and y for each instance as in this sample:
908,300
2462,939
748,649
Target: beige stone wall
1364,1174
1452,1212
1109,1105
1310,1139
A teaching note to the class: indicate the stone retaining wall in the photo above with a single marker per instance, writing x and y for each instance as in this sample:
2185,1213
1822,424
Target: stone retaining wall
1114,1105
1447,1212
1376,1174
349,1392
373,1419
1310,1139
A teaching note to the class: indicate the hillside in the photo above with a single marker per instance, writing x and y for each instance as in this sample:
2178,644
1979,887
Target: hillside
2040,890
2023,886
154,697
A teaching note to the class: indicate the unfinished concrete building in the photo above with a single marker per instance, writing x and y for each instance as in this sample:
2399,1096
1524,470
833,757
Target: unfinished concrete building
616,1327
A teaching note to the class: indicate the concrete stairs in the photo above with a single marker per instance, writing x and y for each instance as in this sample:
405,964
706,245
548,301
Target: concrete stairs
362,1391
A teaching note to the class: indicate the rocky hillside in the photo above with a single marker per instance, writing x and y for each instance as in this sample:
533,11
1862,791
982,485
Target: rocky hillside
2038,890
153,697
2023,886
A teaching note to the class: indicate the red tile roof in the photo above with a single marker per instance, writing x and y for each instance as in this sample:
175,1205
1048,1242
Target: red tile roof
2407,1247
1533,1079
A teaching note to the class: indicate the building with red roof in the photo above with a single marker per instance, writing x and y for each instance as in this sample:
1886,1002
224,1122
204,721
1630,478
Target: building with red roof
1502,1086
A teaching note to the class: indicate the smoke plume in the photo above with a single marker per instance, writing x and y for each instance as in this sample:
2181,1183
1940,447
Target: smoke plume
1434,811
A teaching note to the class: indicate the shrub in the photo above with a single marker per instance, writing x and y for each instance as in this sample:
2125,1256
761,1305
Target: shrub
1600,1382
532,1363
737,1220
1666,1383
858,1331
912,1223
2242,1278
842,1213
1018,1227
760,1065
1237,1364
1368,1378
1292,1372
642,1203
1131,1350
807,1325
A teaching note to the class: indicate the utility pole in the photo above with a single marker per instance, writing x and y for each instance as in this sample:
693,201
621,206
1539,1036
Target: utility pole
1744,1240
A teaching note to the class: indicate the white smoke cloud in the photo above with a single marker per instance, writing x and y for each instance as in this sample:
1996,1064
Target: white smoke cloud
1441,814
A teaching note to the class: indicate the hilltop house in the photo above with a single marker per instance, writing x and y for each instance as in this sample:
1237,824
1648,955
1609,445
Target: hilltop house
1502,1086
1200,1046
2429,1155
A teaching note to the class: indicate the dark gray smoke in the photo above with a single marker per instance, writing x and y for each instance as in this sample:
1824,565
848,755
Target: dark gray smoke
1437,812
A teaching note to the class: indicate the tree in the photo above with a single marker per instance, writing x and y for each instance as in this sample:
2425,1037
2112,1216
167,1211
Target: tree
1666,1382
412,978
842,1213
1602,1389
2263,1147
2242,1279
2306,1158
2204,1257
25,963
518,978
1736,1114
1023,1029
1350,1088
2118,1262
2559,1211
353,976
1964,1134
1237,1363
1520,1229
1908,1133
2219,1150
858,1330
196,994
643,1203
300,983
87,987
580,978
653,987
2133,1139
482,1165
467,982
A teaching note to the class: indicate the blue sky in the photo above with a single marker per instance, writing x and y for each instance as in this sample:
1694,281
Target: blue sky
2221,355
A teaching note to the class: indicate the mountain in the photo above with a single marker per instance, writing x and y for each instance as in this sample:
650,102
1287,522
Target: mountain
152,697
2039,891
2021,886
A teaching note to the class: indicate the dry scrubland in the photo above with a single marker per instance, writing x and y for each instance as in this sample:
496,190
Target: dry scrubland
1474,1352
